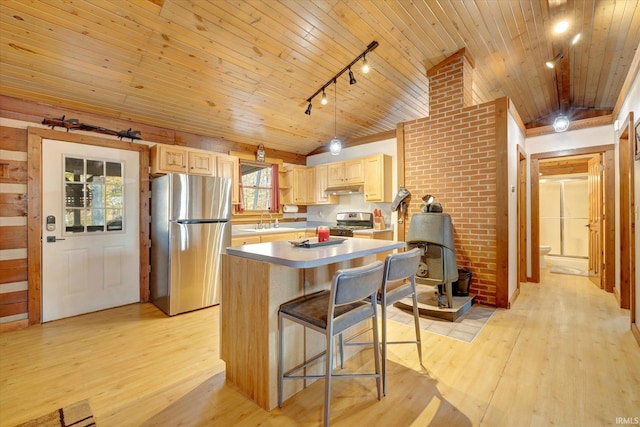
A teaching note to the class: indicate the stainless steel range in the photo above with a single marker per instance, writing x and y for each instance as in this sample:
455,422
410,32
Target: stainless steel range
347,222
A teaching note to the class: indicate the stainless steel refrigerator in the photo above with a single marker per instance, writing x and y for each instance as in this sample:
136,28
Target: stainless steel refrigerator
190,229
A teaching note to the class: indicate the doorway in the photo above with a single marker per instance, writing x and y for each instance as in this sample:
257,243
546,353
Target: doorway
90,247
34,205
567,162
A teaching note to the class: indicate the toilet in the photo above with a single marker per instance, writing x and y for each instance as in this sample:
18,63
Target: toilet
544,250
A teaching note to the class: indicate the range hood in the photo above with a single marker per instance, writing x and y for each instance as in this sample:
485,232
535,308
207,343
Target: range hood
344,189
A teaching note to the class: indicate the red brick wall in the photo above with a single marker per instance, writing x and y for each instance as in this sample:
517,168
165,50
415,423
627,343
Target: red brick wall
452,155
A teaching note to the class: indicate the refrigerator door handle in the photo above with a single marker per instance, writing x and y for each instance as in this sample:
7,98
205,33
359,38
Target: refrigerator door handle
200,221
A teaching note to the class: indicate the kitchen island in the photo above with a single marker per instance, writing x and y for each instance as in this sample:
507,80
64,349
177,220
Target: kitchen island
256,279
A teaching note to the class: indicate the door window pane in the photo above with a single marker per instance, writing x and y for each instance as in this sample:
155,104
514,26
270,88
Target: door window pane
94,195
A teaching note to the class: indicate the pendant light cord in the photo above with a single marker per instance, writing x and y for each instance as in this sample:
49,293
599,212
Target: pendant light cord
335,108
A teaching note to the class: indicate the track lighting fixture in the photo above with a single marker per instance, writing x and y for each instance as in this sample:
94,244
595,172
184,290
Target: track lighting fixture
352,79
553,62
324,98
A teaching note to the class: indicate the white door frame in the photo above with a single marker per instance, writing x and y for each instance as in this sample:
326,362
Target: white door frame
34,207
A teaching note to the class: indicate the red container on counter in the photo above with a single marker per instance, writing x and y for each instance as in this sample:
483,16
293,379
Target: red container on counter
323,234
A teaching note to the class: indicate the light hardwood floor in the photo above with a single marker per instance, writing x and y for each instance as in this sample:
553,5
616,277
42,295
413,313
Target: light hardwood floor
563,355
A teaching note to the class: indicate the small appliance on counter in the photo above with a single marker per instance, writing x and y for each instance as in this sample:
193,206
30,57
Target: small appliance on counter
347,222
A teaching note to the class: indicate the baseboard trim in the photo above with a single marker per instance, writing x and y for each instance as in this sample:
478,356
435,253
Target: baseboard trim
14,326
636,332
514,297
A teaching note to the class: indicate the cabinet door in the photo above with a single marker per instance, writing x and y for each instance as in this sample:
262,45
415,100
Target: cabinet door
310,182
321,184
244,240
377,178
201,163
354,171
278,237
299,185
168,158
228,167
335,173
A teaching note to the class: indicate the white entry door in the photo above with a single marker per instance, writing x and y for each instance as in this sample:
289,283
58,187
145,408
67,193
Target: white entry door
90,228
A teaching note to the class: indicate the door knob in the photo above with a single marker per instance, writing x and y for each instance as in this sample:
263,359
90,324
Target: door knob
52,239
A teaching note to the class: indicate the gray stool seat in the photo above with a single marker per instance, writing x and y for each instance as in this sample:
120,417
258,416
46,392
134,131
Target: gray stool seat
350,301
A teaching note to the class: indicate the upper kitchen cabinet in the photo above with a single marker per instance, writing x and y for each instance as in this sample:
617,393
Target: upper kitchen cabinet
377,178
302,188
320,185
171,158
229,167
347,172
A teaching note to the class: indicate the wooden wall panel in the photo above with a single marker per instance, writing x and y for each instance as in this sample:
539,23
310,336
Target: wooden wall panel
13,205
13,171
13,270
13,237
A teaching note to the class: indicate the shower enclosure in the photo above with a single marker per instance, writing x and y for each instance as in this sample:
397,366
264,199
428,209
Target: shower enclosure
564,215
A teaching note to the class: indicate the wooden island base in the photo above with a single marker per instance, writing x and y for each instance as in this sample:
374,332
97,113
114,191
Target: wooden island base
252,291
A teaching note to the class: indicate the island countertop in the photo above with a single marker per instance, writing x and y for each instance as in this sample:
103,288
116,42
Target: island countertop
284,253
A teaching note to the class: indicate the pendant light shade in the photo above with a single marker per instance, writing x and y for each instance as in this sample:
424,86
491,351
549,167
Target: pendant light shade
561,123
335,146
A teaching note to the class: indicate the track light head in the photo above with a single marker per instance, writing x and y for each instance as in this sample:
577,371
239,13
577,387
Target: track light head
308,110
352,79
365,64
553,62
324,98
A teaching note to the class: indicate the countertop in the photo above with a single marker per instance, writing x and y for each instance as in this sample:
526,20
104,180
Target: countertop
248,231
284,253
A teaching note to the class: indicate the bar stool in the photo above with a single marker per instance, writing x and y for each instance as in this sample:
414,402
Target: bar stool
399,282
349,302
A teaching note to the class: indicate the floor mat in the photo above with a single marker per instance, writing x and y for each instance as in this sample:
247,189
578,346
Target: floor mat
77,415
558,269
466,328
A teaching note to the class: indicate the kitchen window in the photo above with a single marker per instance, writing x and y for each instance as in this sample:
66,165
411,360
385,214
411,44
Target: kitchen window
258,186
93,195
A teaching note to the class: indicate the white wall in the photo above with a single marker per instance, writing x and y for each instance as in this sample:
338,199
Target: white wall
355,202
631,103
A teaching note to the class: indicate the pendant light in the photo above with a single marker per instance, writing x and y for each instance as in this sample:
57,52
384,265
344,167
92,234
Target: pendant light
335,146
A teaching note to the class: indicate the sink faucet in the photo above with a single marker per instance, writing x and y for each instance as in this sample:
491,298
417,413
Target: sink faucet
260,226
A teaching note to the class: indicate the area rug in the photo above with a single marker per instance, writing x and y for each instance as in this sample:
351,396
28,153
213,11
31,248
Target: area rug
75,415
466,327
559,269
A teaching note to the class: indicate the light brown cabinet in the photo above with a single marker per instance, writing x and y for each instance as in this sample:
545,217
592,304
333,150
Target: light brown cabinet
302,185
229,167
321,181
381,235
244,240
377,178
268,237
347,172
170,158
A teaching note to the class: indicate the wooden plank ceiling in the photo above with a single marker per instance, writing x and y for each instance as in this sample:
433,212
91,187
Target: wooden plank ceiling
241,70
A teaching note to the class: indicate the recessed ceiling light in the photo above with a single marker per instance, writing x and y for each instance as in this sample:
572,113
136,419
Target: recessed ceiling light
561,27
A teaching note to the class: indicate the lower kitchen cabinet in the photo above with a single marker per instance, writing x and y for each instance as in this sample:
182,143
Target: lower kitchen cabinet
380,235
268,237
